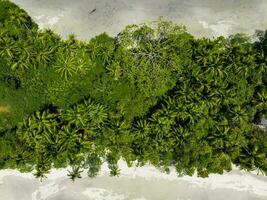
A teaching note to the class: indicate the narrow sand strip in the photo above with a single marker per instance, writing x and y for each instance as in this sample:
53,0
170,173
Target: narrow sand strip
136,183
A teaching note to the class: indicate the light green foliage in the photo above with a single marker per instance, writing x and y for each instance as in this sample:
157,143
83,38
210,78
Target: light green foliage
15,20
152,59
72,59
83,115
157,56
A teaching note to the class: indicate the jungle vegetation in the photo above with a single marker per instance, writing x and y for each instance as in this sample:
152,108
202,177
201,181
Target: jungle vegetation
152,94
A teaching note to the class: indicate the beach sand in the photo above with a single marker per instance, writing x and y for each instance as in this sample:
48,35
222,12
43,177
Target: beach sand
87,18
145,183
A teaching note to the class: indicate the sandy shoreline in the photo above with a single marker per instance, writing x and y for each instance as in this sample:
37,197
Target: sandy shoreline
209,18
145,183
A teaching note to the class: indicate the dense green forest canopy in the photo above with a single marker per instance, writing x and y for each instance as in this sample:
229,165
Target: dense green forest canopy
152,94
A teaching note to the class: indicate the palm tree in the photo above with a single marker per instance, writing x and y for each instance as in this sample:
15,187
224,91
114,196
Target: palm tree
66,66
43,166
71,62
114,170
18,16
143,128
86,115
93,162
112,159
115,71
40,174
239,115
260,101
101,48
37,129
77,116
45,53
75,173
8,49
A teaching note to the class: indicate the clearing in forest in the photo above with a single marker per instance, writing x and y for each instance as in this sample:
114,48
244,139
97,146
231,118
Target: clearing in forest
4,109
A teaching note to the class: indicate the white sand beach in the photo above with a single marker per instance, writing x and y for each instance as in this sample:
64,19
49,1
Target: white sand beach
145,183
202,17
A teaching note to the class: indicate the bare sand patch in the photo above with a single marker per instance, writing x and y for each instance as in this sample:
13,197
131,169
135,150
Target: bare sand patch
4,109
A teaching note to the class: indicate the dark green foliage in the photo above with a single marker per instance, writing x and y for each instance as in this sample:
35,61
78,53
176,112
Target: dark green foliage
153,94
14,20
75,173
93,163
253,152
